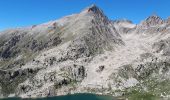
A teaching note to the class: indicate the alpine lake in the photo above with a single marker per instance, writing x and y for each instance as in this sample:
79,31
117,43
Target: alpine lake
88,96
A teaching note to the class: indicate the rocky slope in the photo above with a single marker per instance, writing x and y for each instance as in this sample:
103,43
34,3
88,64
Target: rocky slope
86,52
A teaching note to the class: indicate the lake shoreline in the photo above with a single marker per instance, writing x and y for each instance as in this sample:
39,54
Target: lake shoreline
78,95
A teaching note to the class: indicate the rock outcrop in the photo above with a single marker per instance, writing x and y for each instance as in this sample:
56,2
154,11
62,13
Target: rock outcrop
152,20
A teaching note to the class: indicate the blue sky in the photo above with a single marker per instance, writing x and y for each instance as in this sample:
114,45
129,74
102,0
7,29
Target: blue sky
19,13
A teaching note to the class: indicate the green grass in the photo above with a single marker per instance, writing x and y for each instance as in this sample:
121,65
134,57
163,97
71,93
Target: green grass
136,95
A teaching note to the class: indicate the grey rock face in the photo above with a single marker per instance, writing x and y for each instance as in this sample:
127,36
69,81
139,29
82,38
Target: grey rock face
85,52
10,79
167,20
163,46
88,35
100,69
153,24
1,94
152,21
78,73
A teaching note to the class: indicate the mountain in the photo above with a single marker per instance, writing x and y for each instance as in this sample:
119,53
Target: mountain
152,20
123,26
86,52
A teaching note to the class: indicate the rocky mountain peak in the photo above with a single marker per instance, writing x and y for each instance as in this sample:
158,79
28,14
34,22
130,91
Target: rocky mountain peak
168,20
93,8
152,20
96,14
84,52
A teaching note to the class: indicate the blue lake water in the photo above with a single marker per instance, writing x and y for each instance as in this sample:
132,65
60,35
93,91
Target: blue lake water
71,97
